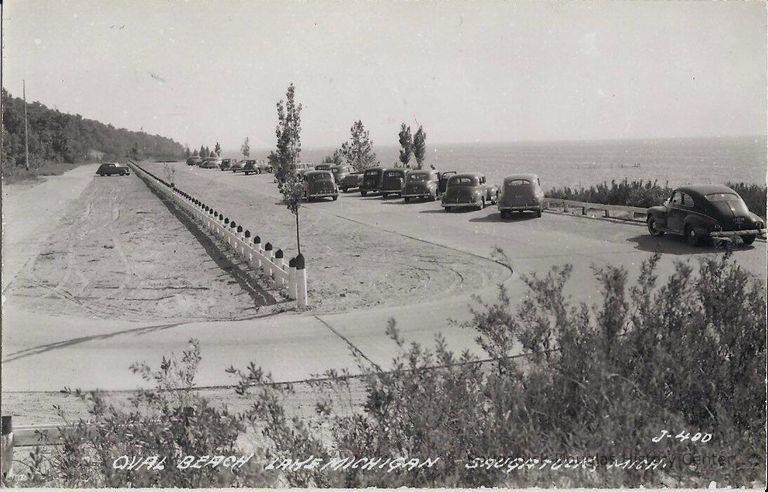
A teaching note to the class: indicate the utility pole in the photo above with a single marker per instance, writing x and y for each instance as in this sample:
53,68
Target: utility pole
26,127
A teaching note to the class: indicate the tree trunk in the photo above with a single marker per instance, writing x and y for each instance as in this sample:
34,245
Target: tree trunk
298,243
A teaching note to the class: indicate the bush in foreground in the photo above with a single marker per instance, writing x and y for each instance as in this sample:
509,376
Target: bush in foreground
600,381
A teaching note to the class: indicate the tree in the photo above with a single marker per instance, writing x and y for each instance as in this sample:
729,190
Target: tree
358,151
419,146
203,152
288,133
245,149
196,153
187,153
134,152
217,149
406,144
336,158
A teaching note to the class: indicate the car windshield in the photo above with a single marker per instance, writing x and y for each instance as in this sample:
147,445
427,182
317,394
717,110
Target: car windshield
394,174
418,176
317,177
462,181
372,172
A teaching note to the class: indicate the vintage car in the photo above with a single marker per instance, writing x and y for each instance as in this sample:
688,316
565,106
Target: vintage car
371,180
468,190
443,183
226,164
339,172
351,181
392,182
421,184
319,184
110,168
521,192
698,212
194,161
211,163
251,167
264,167
238,165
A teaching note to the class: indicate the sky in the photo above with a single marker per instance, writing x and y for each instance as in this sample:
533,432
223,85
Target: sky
484,71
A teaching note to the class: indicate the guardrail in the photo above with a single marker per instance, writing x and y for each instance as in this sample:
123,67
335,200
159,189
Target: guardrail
290,275
566,205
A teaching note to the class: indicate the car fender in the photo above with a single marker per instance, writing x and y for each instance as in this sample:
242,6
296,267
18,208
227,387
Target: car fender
700,222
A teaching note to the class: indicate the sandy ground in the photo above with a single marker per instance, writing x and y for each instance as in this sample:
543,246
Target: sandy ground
350,265
122,253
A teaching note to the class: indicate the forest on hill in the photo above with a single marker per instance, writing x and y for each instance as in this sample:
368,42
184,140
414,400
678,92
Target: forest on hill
69,138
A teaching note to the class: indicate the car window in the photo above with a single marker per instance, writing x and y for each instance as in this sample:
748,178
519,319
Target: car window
723,197
372,172
676,198
418,176
318,177
462,181
517,182
687,200
394,174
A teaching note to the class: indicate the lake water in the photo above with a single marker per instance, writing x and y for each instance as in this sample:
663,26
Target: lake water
672,161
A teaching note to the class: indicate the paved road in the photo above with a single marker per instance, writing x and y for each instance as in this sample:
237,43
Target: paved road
90,353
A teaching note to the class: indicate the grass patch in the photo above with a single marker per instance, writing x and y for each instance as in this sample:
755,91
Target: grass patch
18,174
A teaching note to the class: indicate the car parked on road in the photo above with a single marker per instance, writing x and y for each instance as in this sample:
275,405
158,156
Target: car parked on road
211,163
110,168
319,184
699,212
226,164
469,190
371,180
238,165
351,181
392,182
521,192
421,183
194,161
264,167
339,172
251,167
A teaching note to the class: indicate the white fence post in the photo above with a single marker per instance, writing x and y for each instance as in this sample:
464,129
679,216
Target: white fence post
301,282
270,257
257,245
280,264
292,278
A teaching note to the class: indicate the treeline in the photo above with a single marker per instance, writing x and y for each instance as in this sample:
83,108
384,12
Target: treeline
60,137
646,194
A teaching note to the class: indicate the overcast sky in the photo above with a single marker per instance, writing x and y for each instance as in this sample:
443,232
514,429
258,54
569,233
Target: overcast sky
205,71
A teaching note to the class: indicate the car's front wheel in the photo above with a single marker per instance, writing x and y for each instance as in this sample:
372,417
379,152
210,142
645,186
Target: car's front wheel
652,228
363,193
691,236
406,199
748,239
538,213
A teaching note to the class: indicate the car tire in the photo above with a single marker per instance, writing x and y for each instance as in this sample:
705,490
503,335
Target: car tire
482,203
538,213
344,190
335,197
691,236
406,199
363,193
504,214
651,223
448,209
748,239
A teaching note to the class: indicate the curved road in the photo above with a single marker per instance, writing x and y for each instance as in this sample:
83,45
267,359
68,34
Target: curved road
90,353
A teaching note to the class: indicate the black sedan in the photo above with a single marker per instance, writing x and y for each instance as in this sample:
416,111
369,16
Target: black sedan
698,212
110,168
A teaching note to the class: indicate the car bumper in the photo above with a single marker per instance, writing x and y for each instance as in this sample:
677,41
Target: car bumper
392,192
460,204
322,195
732,234
512,208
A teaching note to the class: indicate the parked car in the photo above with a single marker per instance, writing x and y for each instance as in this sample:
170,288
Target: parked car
110,168
211,163
469,190
226,164
251,167
421,184
521,192
238,166
194,161
698,212
443,183
319,184
339,172
371,180
392,182
351,181
264,167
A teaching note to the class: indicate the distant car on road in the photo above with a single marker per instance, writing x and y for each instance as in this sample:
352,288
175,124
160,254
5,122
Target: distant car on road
521,192
226,164
238,166
699,212
194,161
211,163
264,167
319,184
469,190
251,167
421,183
351,181
392,182
110,168
371,180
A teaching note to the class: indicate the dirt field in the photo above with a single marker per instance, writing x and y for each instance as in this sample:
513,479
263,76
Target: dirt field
121,253
350,265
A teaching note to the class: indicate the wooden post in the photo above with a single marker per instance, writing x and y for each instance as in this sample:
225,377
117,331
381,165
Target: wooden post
6,446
